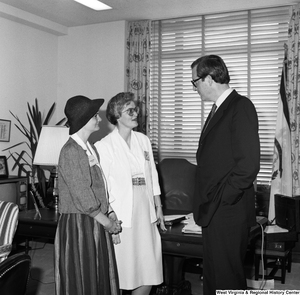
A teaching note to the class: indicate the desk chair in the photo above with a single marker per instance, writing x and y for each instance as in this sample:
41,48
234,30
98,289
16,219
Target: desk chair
14,274
177,181
8,225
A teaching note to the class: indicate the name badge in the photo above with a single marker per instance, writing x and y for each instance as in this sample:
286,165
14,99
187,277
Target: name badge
92,160
146,154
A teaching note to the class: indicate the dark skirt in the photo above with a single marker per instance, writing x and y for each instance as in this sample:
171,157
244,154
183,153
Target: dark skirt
84,257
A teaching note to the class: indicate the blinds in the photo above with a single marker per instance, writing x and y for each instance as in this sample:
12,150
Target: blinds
251,44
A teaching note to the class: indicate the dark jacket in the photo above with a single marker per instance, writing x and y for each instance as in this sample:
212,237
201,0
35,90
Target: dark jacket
228,159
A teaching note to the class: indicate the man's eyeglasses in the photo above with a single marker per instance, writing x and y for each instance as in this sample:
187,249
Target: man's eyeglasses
194,82
131,111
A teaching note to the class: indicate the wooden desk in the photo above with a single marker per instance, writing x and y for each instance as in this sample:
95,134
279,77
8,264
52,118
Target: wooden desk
174,242
175,245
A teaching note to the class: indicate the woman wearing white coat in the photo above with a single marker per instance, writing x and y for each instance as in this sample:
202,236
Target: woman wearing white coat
127,161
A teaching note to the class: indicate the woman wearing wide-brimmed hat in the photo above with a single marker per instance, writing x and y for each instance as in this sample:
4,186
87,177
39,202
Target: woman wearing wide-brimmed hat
84,253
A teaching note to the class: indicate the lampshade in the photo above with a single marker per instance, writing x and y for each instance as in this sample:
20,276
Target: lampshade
52,139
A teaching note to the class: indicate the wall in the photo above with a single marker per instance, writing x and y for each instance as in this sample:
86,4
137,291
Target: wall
92,63
89,60
28,63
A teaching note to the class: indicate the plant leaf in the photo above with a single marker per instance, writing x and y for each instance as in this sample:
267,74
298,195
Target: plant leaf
34,117
61,121
13,146
49,114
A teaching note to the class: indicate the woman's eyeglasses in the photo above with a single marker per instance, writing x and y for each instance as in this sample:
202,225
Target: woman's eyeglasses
131,111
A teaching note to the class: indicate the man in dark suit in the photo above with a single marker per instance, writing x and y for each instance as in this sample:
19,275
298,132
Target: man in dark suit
227,164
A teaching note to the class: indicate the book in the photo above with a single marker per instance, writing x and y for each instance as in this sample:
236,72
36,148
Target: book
172,219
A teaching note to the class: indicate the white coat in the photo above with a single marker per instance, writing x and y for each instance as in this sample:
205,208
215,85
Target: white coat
116,168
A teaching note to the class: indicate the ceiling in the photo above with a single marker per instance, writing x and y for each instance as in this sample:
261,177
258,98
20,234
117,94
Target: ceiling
69,13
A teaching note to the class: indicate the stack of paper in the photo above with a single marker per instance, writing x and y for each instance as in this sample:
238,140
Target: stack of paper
191,227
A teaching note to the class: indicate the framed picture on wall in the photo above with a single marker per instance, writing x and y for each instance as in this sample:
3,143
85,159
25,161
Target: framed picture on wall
5,130
3,167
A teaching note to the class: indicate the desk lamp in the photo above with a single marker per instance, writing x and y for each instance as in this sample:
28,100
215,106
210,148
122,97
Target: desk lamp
51,140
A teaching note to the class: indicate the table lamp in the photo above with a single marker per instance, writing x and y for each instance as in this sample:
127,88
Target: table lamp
51,140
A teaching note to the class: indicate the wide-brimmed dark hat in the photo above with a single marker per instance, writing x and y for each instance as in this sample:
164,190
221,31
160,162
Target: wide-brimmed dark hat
79,110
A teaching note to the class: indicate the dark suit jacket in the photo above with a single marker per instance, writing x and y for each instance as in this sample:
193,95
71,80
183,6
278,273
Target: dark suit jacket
228,160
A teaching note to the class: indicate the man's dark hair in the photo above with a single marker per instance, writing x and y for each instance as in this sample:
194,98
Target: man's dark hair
214,66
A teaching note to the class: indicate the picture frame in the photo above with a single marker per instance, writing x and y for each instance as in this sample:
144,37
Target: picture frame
5,130
3,167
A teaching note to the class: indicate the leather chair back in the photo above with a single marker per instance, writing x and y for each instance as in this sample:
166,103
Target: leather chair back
14,274
177,182
9,213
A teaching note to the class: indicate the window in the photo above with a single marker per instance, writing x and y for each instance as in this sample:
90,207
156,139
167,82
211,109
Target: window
252,46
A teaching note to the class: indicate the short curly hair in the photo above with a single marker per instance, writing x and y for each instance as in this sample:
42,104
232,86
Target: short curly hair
116,105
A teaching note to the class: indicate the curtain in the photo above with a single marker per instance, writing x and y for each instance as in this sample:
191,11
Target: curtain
138,68
292,91
285,179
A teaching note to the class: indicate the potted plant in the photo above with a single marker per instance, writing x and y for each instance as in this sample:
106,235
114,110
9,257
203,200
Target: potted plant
23,161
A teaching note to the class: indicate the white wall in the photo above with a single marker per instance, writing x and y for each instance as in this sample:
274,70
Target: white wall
90,60
28,63
92,63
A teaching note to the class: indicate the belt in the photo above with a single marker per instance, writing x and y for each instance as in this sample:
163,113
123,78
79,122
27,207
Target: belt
138,181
